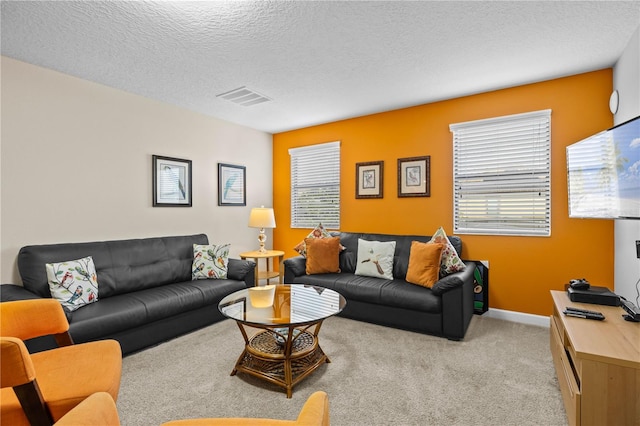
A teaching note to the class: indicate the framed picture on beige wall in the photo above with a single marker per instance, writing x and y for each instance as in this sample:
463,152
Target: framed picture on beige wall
369,182
171,182
232,185
414,176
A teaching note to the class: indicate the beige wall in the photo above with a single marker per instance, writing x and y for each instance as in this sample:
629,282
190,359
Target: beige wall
76,165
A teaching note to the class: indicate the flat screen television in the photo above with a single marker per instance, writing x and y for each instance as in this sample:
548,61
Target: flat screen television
604,174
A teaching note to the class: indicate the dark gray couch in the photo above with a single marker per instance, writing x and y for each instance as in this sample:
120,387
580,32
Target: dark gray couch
445,310
145,296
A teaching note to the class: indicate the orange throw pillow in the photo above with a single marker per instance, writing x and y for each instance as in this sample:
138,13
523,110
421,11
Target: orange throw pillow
424,263
323,255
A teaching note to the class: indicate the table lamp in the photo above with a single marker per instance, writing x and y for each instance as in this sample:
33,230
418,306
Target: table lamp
262,217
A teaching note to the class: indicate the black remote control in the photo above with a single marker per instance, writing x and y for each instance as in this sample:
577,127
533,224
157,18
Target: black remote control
597,316
584,311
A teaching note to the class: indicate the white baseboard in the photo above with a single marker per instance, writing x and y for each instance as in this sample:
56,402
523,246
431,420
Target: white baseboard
521,317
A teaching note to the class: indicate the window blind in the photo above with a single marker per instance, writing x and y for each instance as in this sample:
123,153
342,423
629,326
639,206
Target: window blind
501,175
315,185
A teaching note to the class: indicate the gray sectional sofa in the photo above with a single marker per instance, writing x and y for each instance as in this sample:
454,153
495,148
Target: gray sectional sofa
146,294
444,310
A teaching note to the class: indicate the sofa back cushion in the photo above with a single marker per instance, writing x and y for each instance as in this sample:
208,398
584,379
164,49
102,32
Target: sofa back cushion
349,256
122,266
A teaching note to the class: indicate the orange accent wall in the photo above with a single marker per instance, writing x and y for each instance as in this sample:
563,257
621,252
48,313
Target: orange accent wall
522,270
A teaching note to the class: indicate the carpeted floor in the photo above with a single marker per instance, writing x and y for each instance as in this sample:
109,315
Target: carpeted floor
501,374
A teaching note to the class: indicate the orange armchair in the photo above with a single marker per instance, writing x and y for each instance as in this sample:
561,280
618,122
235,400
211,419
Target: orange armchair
100,410
39,389
315,412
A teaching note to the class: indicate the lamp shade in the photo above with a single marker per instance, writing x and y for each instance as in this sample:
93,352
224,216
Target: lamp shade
262,217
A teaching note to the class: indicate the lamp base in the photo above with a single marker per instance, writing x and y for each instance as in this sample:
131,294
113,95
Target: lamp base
262,238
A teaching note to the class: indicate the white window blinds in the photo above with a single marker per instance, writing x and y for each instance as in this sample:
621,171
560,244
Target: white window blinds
315,186
501,175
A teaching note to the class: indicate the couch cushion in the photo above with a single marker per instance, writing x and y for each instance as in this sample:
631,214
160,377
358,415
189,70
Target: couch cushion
121,265
397,293
349,240
122,312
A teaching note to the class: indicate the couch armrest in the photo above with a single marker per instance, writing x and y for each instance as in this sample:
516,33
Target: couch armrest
457,304
13,292
457,279
294,267
242,270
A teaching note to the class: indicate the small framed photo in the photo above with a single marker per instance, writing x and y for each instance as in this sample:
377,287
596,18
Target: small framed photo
232,186
369,183
171,182
414,177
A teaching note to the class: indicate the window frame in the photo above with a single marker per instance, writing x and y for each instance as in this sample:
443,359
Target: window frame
502,175
322,161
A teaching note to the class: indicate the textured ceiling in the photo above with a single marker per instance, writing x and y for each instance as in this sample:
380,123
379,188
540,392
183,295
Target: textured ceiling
317,61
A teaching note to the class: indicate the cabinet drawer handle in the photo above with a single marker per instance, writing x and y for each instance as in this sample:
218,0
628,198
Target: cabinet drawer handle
568,378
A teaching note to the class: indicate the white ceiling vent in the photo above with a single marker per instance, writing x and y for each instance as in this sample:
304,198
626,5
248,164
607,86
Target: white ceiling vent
243,96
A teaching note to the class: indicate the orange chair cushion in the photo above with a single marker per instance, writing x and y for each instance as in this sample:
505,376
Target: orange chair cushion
67,376
17,318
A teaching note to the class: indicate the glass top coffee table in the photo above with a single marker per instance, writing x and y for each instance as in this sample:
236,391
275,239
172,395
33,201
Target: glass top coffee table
280,326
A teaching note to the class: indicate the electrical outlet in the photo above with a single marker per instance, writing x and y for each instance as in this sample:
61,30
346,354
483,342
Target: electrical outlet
638,248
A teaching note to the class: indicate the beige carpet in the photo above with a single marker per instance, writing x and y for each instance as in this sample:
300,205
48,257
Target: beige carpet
501,374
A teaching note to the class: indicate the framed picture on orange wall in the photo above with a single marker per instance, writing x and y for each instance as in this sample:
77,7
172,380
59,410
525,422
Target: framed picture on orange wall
369,183
414,176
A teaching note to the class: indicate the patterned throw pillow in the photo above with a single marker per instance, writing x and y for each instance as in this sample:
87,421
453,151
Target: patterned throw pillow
318,232
210,261
73,283
450,262
375,258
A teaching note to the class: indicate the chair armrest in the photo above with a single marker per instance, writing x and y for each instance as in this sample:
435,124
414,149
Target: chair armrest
294,267
315,411
242,270
16,318
17,368
99,409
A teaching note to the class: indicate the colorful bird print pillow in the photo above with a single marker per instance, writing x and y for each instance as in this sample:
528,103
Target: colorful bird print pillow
318,232
73,283
210,261
450,262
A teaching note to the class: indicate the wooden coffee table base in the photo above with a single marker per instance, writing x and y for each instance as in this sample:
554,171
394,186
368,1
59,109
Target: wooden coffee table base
283,364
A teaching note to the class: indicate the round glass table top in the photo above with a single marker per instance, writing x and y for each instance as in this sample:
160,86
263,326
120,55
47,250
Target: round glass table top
282,305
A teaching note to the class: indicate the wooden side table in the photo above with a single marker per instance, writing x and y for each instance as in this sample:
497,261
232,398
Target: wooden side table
269,273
